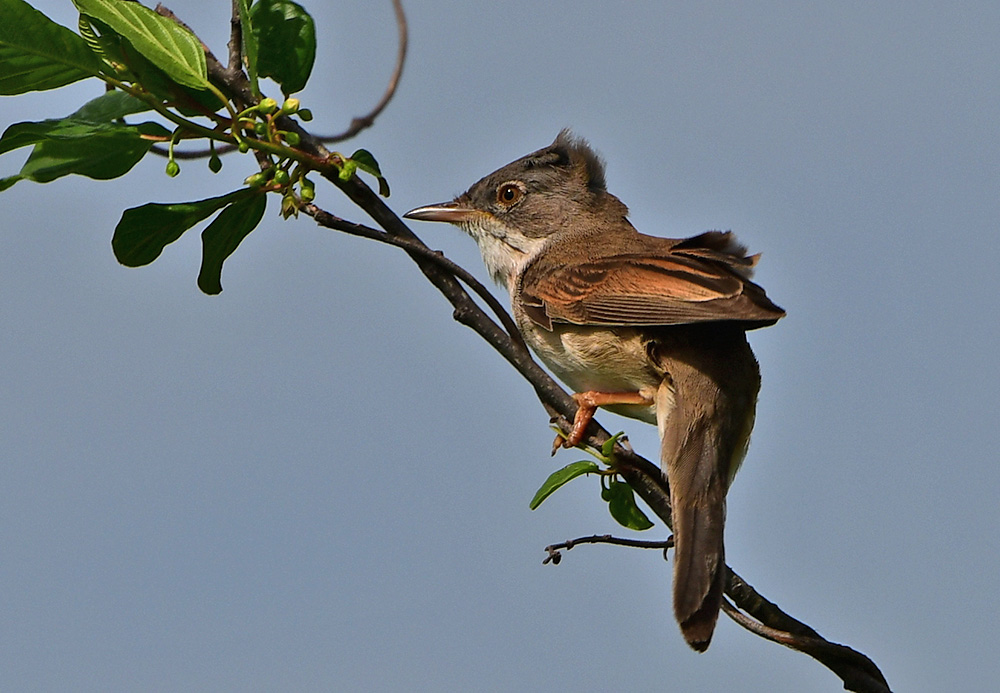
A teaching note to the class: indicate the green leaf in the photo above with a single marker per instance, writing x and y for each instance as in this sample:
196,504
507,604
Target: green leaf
250,45
169,46
621,504
286,39
138,69
8,182
25,134
37,54
224,235
558,478
366,162
96,150
143,232
111,105
608,448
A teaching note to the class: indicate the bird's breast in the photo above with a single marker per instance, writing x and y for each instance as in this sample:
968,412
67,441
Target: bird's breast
599,359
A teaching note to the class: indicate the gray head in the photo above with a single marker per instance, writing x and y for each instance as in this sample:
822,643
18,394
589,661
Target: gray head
511,211
564,178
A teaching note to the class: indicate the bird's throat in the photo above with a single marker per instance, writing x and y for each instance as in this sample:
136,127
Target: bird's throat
505,255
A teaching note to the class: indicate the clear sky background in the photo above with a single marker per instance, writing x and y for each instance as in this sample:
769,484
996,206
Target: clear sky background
319,481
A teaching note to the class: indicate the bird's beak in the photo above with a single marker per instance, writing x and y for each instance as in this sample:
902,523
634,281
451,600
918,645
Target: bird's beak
452,212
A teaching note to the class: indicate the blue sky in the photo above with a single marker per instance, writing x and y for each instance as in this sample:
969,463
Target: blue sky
318,481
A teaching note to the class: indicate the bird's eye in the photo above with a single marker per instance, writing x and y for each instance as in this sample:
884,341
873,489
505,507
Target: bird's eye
509,194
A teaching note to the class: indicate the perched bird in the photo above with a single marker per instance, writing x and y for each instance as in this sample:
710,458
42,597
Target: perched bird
651,328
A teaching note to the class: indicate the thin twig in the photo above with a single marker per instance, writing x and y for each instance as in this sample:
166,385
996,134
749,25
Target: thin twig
554,555
366,121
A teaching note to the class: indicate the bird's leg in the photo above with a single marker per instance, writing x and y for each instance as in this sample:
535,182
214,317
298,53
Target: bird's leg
588,403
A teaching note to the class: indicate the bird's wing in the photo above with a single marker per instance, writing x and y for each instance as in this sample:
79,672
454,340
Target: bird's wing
701,279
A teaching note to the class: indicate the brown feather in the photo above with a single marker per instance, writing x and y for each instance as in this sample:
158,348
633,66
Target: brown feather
689,286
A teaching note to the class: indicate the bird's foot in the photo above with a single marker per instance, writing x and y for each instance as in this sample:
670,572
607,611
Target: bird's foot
588,402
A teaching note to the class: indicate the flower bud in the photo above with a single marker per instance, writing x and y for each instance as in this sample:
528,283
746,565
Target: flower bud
308,191
256,180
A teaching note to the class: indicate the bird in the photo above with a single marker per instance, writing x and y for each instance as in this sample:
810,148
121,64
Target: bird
648,327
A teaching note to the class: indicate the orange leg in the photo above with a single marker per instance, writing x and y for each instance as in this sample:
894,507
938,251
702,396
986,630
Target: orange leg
588,403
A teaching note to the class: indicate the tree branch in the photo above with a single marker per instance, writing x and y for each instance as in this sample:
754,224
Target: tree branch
235,44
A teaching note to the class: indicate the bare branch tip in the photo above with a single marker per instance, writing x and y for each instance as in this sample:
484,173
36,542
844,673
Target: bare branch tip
360,123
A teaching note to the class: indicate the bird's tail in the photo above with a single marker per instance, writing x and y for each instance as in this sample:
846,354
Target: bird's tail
704,416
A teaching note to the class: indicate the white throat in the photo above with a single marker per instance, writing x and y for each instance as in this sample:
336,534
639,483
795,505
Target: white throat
505,256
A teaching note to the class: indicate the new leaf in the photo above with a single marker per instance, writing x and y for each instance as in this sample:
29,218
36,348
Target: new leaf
561,477
286,42
621,505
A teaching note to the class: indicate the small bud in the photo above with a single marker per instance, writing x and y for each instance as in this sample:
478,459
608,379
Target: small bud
281,177
290,106
173,168
307,191
260,127
292,138
267,106
256,180
347,170
244,147
289,206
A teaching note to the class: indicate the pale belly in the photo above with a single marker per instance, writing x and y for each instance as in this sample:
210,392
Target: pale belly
598,359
